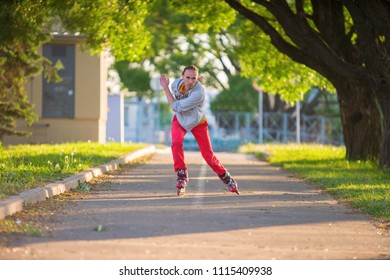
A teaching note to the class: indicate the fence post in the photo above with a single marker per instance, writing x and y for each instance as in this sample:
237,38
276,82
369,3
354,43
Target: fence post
298,121
237,123
322,130
284,127
247,126
260,116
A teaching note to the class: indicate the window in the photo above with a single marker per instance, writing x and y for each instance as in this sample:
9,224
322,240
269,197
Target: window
58,98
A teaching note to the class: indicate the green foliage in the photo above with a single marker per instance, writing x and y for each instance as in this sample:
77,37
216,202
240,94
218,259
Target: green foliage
114,25
183,35
23,21
134,79
20,36
272,70
83,186
211,35
363,184
206,16
240,96
26,25
26,166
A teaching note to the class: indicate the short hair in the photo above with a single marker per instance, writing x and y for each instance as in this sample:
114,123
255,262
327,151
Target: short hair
190,67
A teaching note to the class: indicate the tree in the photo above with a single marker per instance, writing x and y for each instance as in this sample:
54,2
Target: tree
240,96
182,36
20,37
135,79
344,42
26,25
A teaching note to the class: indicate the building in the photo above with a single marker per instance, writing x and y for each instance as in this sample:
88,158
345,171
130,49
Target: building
142,121
74,109
115,118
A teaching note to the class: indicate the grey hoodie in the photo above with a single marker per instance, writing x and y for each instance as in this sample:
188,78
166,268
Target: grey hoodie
189,108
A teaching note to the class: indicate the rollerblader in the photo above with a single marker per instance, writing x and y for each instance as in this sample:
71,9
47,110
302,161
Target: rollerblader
187,100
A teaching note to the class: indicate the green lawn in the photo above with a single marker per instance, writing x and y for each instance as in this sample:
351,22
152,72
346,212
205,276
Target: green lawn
24,167
362,184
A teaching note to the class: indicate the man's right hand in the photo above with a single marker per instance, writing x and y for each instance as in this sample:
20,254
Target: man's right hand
164,81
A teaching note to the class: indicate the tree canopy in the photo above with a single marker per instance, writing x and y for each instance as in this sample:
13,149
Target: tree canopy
239,96
135,79
20,36
25,25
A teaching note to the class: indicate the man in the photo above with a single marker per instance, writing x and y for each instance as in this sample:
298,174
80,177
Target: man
188,103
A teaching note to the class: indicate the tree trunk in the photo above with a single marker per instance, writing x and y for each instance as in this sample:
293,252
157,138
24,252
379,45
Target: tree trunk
385,149
361,121
384,159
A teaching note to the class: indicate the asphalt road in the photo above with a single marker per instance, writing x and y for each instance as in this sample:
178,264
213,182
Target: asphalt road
135,214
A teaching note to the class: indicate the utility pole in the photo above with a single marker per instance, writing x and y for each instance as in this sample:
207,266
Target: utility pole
260,117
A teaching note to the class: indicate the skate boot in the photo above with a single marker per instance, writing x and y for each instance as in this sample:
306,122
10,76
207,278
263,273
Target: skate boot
182,181
230,182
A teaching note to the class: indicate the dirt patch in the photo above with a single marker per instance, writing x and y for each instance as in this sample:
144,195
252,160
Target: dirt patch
35,219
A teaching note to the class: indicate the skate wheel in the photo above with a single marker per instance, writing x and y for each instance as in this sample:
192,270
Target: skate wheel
180,191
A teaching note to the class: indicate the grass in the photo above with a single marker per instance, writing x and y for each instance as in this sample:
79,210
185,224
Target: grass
361,184
23,167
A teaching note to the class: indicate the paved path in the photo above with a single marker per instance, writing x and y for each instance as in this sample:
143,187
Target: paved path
275,217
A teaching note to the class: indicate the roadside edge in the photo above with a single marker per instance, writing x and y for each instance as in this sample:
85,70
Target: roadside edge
15,203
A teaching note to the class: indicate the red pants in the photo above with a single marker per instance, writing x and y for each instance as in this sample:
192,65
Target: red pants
202,137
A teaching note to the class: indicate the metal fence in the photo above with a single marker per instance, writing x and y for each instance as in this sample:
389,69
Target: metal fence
231,129
235,128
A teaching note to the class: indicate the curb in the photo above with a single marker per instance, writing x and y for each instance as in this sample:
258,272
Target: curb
15,203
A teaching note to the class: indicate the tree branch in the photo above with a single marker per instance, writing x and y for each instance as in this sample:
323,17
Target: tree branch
276,39
310,49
